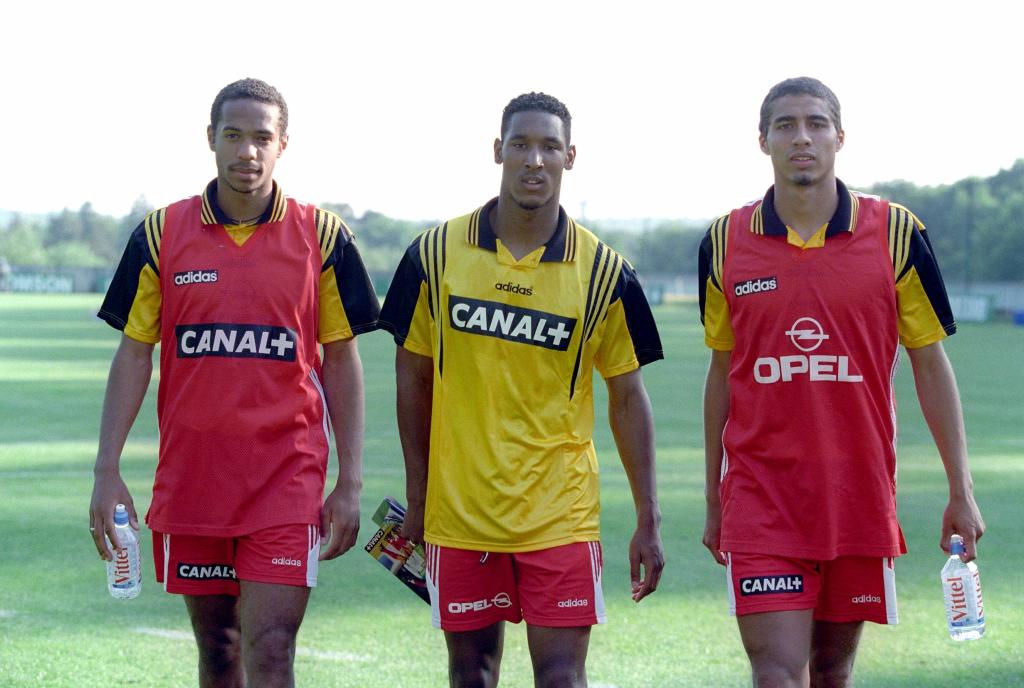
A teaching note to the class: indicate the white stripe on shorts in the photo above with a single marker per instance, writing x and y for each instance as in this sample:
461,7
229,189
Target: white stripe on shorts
312,555
892,616
167,556
596,569
728,584
433,569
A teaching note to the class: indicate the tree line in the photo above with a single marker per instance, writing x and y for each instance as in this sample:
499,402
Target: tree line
975,226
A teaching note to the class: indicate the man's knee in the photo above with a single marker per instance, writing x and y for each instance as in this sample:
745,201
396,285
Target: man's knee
561,672
768,674
219,650
835,675
474,670
271,649
465,676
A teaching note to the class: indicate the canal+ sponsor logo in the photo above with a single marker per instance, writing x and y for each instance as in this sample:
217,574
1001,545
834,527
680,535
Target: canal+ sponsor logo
765,585
511,323
194,277
234,340
757,285
205,571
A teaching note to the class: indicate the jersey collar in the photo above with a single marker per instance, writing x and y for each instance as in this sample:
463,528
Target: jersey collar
561,247
213,215
766,221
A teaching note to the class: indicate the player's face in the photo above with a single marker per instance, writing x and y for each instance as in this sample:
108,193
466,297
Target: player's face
532,155
802,140
247,144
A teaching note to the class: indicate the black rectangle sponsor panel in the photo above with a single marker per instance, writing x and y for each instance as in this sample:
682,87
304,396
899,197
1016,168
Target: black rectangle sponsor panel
511,323
234,340
771,585
205,571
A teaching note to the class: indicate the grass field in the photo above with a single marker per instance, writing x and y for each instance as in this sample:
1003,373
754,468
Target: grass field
58,626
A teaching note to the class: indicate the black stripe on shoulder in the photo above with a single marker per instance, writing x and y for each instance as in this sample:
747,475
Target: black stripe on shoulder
608,280
603,273
440,259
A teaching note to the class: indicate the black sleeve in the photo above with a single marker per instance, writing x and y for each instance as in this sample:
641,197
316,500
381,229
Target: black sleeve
922,258
400,303
117,304
639,319
704,271
354,286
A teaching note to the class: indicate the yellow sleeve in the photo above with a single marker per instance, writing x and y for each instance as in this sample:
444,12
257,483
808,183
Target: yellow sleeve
133,301
144,317
718,333
616,354
348,304
714,309
923,310
333,324
418,338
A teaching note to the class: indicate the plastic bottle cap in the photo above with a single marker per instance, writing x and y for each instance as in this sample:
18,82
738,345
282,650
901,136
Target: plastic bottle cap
956,545
120,515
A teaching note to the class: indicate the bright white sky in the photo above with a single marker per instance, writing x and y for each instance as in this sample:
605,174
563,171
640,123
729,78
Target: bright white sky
394,105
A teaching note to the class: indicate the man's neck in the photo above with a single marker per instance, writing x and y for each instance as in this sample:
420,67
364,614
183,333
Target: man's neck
523,231
243,207
806,208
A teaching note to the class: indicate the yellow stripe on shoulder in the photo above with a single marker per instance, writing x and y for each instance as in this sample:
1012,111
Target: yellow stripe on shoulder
329,227
719,232
154,228
901,229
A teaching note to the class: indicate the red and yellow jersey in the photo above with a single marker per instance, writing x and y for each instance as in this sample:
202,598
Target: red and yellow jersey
242,414
923,307
133,303
809,465
512,466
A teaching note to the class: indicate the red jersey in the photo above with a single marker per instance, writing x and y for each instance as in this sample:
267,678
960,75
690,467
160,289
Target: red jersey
243,429
810,466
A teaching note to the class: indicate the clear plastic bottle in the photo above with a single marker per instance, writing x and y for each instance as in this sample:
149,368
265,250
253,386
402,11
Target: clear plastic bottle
124,573
961,585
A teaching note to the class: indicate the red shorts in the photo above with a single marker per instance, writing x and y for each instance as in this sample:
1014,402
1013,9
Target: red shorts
558,587
200,565
838,590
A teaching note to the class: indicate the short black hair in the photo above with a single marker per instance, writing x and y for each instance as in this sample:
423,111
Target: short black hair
250,89
535,101
799,86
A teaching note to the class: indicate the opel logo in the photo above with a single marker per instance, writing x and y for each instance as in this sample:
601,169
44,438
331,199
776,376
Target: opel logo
806,334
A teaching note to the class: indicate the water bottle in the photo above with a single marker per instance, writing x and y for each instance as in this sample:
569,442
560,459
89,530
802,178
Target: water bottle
124,573
965,613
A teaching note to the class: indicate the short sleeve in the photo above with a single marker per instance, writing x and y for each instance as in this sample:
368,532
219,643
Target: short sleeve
714,309
630,336
923,310
133,300
406,311
348,304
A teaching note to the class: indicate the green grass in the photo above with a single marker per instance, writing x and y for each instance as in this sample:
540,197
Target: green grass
58,627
